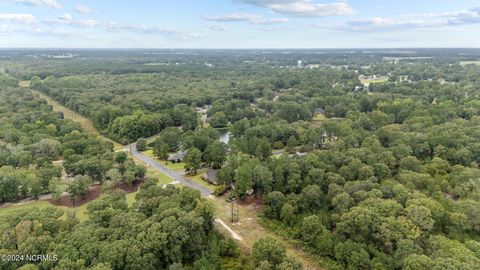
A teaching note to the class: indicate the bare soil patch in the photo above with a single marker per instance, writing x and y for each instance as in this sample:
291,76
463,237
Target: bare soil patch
93,193
256,203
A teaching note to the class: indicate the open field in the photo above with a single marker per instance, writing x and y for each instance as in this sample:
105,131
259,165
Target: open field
367,82
465,63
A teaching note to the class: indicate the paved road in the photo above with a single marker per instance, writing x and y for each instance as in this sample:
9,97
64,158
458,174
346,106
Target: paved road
175,175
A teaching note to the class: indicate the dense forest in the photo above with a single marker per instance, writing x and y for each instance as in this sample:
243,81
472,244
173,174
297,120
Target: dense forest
33,138
382,174
165,229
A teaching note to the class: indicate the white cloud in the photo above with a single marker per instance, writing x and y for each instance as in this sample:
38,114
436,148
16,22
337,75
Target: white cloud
218,27
279,28
410,22
113,27
17,18
66,17
249,18
84,9
40,3
68,20
177,34
303,8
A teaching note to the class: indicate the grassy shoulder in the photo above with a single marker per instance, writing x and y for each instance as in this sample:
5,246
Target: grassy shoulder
179,166
198,179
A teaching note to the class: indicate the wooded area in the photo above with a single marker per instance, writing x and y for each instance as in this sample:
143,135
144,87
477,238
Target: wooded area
379,176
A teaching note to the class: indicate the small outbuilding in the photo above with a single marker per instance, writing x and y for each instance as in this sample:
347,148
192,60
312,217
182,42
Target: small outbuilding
320,110
177,157
210,176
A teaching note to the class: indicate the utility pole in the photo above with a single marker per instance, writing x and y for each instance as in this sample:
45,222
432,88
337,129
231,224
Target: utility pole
234,212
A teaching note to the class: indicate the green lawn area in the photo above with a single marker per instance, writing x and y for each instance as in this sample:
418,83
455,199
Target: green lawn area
5,211
80,211
162,178
465,63
131,198
198,179
180,166
24,84
376,80
319,117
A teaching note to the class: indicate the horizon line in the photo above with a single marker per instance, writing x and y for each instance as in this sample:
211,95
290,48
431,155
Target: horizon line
231,48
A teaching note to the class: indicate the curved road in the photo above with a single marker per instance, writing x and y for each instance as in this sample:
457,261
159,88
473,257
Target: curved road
176,176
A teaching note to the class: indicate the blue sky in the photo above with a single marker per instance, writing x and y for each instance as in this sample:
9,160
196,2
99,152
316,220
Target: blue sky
239,23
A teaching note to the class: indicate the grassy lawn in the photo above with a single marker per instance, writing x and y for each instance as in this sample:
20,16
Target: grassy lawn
24,84
131,198
319,117
198,179
5,211
465,63
162,178
80,211
180,166
376,80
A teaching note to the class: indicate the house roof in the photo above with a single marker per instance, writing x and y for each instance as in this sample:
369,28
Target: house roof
211,174
177,156
320,110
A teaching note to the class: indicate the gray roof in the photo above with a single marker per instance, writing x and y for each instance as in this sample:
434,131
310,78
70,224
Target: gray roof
177,156
320,110
212,174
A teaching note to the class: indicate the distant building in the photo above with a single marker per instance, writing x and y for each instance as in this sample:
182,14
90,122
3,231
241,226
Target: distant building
299,64
313,66
210,176
177,157
320,110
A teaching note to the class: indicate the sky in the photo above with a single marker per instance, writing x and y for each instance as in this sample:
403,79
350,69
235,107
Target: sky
239,23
